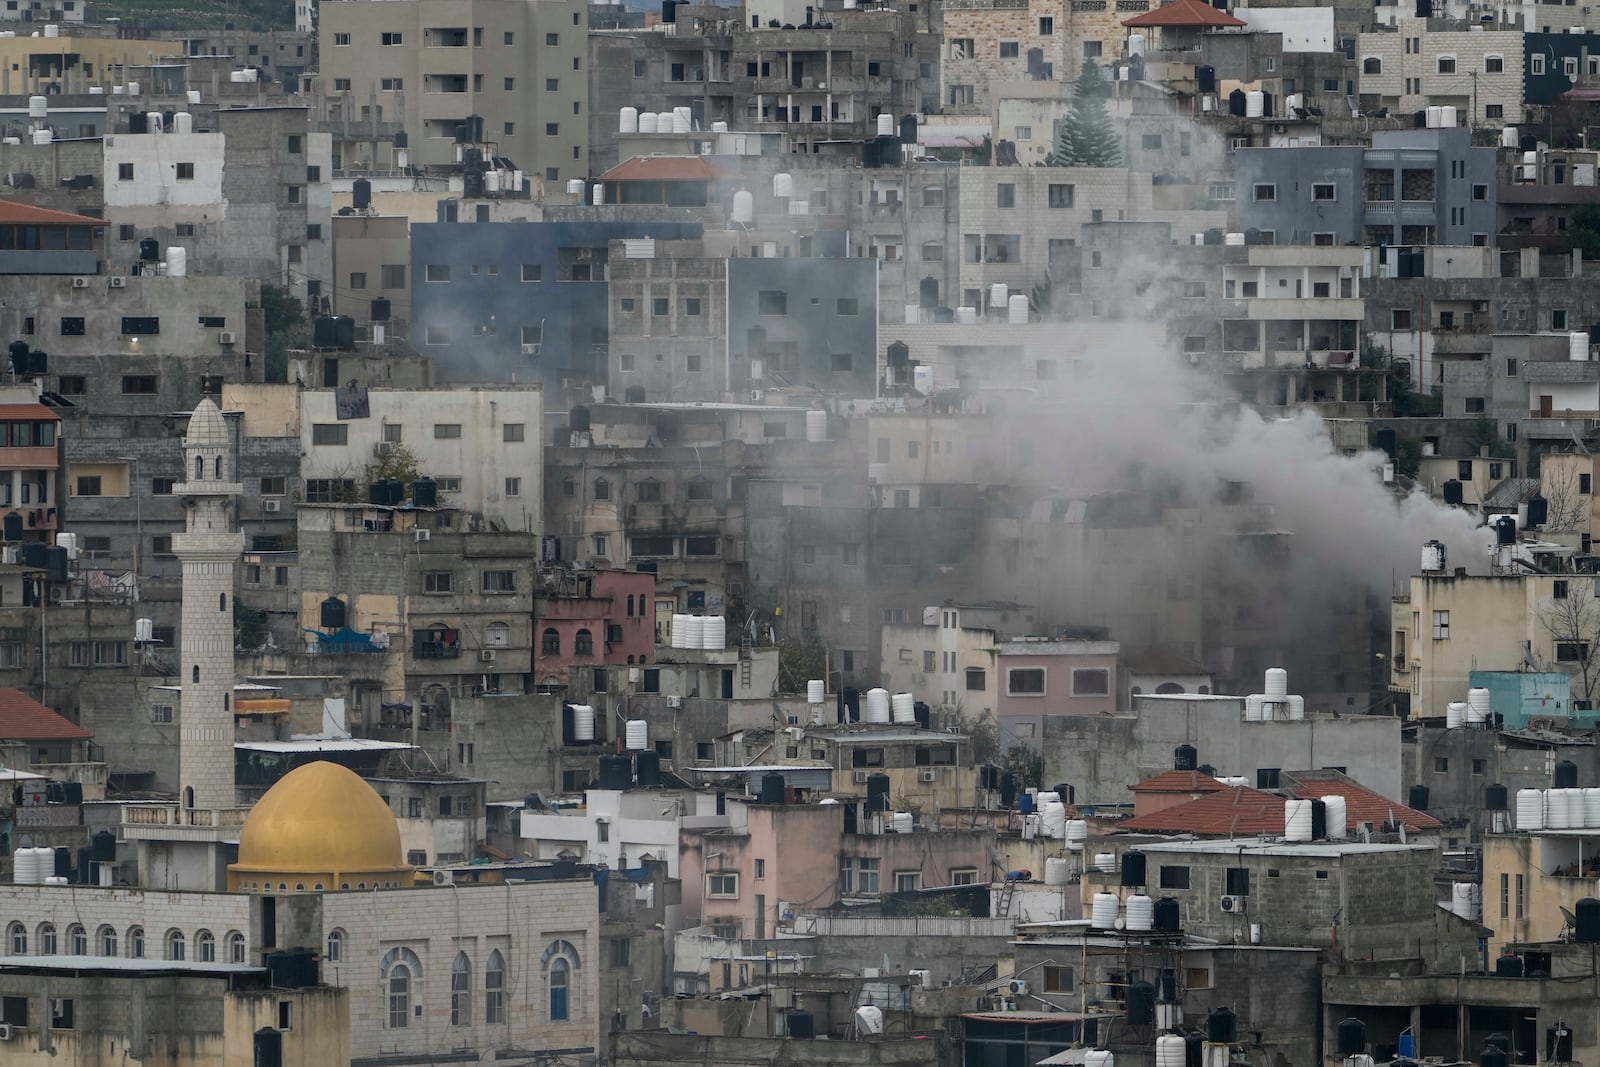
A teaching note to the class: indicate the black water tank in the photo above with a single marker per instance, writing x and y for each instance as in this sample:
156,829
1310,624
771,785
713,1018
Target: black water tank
85,872
63,867
1133,868
56,563
877,793
1505,530
1352,1037
1536,964
1185,758
1538,510
1207,769
928,292
304,962
1206,79
1499,1041
1587,914
322,332
424,492
1169,916
568,735
1222,1026
1267,777
138,122
35,555
1387,441
908,129
1008,790
1141,1003
1167,986
1566,776
1417,797
1424,9
1558,1043
1508,966
1236,103
648,766
361,194
104,847
73,792
149,250
393,491
268,1048
1419,119
1194,1049
401,139
1490,1056
12,526
1319,820
923,714
344,333
1452,493
616,772
578,419
330,613
799,1024
18,351
771,789
988,776
38,362
380,309
1494,798
280,970
669,12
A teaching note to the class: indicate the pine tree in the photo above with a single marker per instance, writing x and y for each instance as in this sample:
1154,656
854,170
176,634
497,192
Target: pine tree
1085,137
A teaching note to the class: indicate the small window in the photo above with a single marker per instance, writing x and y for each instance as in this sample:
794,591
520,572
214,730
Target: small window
1060,196
976,679
185,172
436,272
772,302
1494,64
124,172
447,431
722,884
1447,64
330,433
1264,192
1400,319
1173,877
1005,195
1091,682
1025,681
1322,191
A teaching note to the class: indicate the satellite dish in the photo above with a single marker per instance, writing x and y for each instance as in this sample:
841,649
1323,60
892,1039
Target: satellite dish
1572,920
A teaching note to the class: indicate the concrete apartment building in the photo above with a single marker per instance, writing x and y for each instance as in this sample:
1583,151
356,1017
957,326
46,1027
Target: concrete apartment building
990,43
371,263
1410,187
1297,311
519,66
1420,62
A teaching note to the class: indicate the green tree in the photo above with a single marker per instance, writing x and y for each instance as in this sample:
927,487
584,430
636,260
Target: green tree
799,660
1085,136
1583,230
400,464
284,318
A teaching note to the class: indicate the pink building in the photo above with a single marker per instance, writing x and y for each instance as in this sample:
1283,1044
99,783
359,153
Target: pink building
591,619
1040,676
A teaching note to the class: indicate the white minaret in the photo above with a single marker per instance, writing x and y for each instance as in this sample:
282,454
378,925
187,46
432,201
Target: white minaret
209,547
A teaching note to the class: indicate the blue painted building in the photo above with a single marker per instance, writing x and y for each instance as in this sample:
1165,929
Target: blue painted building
518,301
1553,63
1518,697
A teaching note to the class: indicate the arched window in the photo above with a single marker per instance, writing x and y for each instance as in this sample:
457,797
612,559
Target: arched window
218,468
1205,690
199,467
335,951
630,605
236,952
195,673
1168,689
494,989
136,942
205,947
550,642
401,974
1371,65
461,991
497,635
602,489
17,937
188,790
559,962
108,941
583,643
77,940
222,601
47,939
174,944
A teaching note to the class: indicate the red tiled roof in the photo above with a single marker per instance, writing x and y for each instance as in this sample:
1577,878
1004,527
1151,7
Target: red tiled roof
667,169
1160,661
23,718
1185,13
28,411
1179,782
1231,810
1361,804
15,211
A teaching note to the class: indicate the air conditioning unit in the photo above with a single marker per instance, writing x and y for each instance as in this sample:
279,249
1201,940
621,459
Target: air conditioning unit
1192,357
119,282
422,535
1017,987
674,702
530,350
383,448
226,337
927,774
272,507
1233,905
758,395
80,283
859,777
7,1032
443,878
57,594
486,655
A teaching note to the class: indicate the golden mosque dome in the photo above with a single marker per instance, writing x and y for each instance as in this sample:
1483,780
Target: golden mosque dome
320,827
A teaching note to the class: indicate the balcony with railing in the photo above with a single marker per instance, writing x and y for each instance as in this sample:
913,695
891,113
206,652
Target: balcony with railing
176,815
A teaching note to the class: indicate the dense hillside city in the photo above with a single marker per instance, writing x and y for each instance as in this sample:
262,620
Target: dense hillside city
902,533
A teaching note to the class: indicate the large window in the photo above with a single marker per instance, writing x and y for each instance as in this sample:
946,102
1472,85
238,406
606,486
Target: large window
1094,682
1025,681
560,961
1174,877
399,971
494,989
461,991
722,884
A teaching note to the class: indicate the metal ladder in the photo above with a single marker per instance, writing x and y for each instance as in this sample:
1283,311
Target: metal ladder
744,662
1008,891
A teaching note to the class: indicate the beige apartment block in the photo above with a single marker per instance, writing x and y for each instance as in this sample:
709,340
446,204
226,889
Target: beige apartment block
1477,71
427,65
990,42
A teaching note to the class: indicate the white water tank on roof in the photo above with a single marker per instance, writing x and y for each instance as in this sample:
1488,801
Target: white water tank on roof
966,316
1431,116
1171,1051
1297,707
1017,310
1578,346
714,633
628,120
144,630
1276,685
886,125
694,631
1591,807
43,136
1105,862
177,261
1255,104
816,691
1296,820
681,123
1479,706
133,88
646,122
1558,809
816,425
638,735
583,722
680,630
1509,137
1053,821
1141,912
902,822
719,127
183,122
1336,816
1077,832
1135,44
878,705
1103,911
783,185
1098,1057
1530,809
1233,240
598,196
1254,707
1455,715
193,96
744,207
52,30
575,187
156,121
1057,870
38,107
1448,117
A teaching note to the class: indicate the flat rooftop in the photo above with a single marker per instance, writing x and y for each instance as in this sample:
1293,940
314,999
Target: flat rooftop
1256,846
